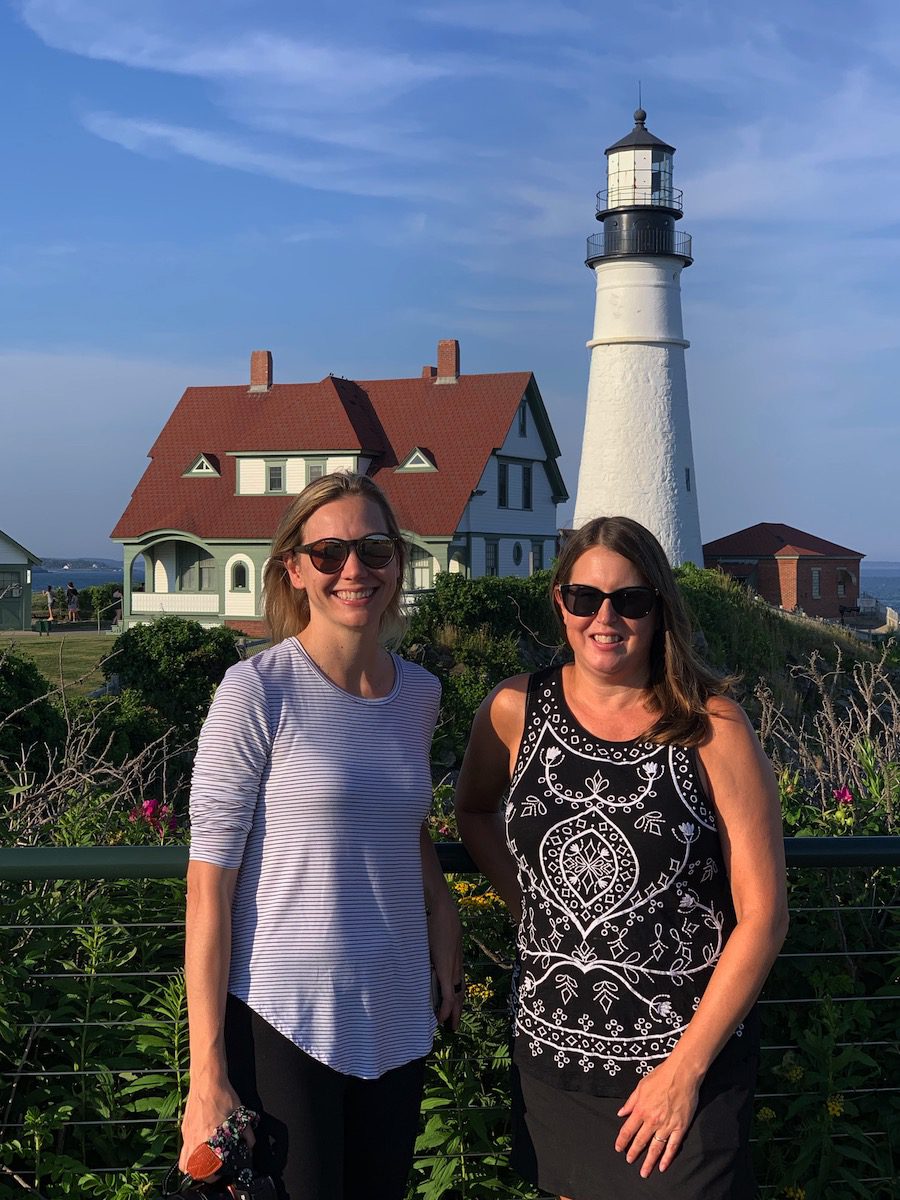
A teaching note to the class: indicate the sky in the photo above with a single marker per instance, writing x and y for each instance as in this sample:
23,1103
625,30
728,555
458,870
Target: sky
347,184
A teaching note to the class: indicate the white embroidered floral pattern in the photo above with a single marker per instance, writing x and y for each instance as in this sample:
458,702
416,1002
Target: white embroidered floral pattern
626,905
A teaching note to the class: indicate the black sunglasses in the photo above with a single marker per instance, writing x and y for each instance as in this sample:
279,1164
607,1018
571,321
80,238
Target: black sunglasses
328,555
581,600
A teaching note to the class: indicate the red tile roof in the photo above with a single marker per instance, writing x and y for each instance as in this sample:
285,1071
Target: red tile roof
457,424
772,540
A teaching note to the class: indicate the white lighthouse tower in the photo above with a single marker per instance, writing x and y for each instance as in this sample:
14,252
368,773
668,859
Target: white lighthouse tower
636,458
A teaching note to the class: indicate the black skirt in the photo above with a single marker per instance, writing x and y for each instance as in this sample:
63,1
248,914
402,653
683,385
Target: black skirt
564,1142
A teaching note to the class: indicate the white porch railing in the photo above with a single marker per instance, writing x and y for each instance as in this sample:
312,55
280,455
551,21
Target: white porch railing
174,602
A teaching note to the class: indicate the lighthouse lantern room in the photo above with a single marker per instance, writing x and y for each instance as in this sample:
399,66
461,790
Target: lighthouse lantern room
636,456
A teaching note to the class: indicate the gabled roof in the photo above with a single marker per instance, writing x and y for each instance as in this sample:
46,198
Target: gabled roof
772,540
32,558
385,420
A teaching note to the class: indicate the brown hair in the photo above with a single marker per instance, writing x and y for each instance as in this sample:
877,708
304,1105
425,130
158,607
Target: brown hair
680,682
287,607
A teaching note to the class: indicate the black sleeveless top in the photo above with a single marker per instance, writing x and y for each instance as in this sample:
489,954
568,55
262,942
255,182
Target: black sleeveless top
626,903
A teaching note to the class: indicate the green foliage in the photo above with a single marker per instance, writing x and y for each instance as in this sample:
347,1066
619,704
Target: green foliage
28,719
126,724
175,665
502,605
474,633
100,999
741,634
98,599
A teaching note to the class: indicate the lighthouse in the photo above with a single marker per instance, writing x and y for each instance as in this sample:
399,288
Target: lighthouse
636,456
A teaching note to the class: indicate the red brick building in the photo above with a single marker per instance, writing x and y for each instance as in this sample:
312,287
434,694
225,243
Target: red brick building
790,568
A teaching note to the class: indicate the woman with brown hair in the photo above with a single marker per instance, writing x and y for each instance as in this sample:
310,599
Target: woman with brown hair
316,904
640,853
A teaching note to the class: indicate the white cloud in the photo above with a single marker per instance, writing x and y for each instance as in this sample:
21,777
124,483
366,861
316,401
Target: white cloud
506,17
324,174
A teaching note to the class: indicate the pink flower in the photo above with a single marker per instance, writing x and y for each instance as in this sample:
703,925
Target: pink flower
843,795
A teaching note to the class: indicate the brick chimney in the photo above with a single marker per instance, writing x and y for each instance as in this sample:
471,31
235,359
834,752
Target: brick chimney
429,372
260,370
448,361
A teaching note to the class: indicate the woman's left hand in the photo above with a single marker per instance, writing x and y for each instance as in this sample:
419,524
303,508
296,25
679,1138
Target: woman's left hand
659,1112
445,945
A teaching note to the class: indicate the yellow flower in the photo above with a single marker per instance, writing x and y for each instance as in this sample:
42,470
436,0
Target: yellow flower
479,993
794,1073
766,1114
795,1193
835,1105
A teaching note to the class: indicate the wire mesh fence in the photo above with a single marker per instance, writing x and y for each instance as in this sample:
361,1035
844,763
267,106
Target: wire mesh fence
93,1045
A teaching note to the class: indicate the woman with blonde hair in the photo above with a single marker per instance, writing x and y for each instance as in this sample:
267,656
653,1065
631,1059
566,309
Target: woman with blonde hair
316,905
640,852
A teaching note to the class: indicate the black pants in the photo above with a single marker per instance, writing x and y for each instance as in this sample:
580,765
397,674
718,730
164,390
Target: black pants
323,1135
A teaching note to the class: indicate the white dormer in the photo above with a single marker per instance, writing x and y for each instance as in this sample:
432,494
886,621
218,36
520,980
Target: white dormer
417,460
203,466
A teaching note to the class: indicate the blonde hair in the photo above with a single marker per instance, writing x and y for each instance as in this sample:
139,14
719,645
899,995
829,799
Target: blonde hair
286,607
680,682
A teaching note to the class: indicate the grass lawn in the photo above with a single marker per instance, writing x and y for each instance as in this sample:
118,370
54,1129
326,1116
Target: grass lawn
73,659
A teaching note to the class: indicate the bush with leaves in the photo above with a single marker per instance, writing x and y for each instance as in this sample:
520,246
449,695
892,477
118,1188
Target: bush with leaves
175,665
30,724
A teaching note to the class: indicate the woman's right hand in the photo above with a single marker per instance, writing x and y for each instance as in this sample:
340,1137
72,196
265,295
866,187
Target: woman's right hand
204,1112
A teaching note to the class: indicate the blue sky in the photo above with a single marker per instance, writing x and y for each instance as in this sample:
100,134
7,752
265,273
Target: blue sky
346,184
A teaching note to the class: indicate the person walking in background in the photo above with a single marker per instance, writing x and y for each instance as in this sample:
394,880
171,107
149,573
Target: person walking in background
117,611
642,857
72,601
51,600
316,905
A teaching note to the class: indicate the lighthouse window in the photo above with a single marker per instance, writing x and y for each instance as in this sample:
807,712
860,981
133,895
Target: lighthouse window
687,477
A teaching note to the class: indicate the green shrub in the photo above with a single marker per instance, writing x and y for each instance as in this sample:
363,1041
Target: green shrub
175,665
503,605
98,599
28,719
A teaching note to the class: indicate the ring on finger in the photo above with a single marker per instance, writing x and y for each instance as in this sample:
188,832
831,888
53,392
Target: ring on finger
657,1138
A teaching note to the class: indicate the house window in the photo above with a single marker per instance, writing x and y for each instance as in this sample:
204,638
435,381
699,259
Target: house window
239,578
196,569
315,469
517,554
491,558
816,583
419,569
502,486
537,556
523,418
274,477
526,486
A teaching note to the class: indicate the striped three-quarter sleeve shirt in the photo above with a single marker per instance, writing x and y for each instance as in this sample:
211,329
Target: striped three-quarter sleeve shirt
317,796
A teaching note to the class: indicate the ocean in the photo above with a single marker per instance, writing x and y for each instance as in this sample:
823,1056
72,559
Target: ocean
41,579
883,584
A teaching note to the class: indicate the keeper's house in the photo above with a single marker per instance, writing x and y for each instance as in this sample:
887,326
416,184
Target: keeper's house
469,463
790,568
15,583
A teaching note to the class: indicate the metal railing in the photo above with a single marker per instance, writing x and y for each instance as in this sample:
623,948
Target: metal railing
616,243
87,1059
626,197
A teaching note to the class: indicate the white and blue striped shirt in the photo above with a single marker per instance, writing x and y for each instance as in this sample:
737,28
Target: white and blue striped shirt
318,797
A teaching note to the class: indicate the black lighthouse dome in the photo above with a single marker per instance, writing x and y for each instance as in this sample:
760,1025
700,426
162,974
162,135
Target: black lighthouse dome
639,206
